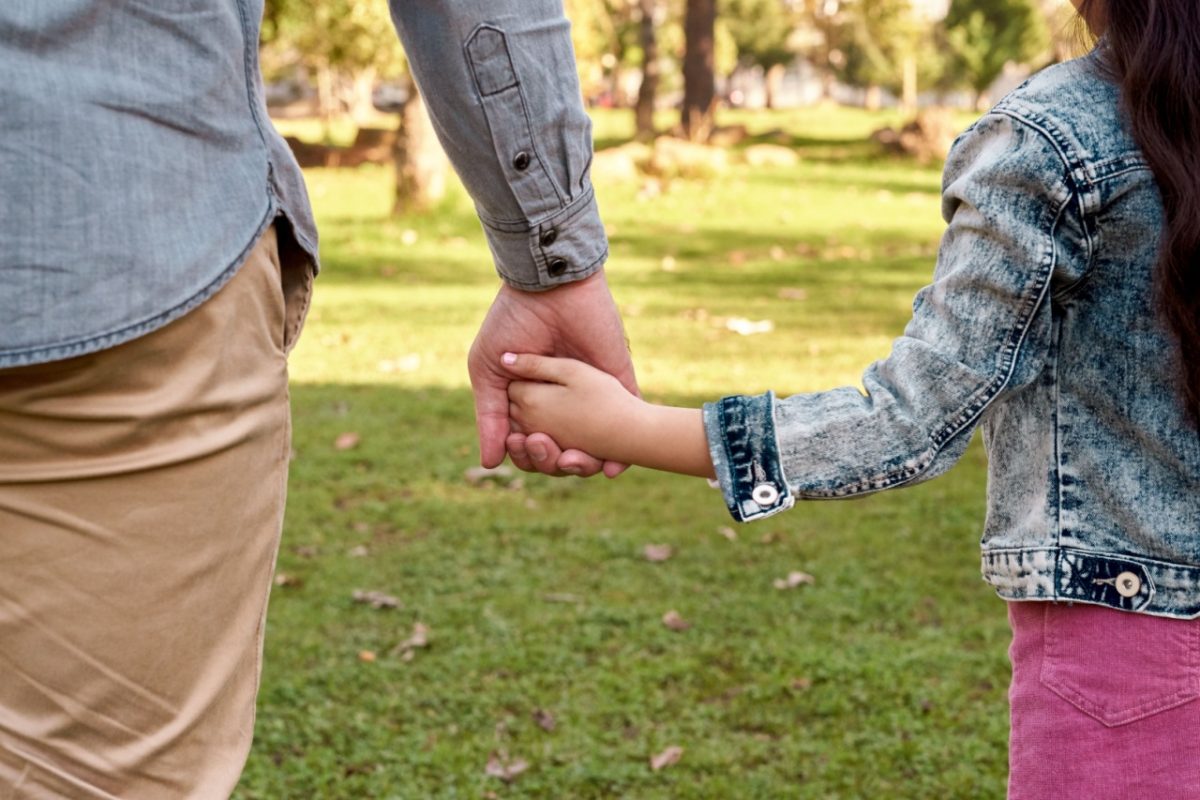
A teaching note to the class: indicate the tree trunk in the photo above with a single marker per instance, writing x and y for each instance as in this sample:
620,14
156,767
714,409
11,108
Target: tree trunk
360,100
908,94
326,101
873,100
699,83
772,81
420,162
648,91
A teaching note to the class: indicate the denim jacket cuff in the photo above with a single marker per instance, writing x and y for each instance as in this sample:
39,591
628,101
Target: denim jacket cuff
567,246
745,456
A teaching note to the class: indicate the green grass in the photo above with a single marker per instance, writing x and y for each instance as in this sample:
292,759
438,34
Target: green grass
883,679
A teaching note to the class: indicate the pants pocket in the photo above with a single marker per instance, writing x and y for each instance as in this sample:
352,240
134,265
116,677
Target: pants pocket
1119,667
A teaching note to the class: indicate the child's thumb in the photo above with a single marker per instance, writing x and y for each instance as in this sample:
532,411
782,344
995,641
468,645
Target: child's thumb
534,367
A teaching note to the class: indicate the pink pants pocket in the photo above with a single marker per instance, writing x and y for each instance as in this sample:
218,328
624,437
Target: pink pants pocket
1119,667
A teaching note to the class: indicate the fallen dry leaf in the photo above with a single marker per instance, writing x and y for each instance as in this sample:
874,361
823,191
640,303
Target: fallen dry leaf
282,579
305,551
802,684
789,293
657,552
674,621
498,766
346,441
793,580
375,599
666,758
419,638
358,551
367,656
544,719
728,532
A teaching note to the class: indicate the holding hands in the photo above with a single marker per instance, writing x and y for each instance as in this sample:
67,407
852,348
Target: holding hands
583,408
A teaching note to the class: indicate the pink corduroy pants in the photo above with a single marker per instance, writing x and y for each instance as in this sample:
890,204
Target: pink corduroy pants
1105,704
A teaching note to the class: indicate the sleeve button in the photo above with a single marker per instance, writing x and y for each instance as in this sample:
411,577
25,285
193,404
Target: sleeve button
765,494
521,161
556,267
548,237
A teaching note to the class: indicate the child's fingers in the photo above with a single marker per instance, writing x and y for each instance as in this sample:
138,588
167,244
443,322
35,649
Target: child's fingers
538,368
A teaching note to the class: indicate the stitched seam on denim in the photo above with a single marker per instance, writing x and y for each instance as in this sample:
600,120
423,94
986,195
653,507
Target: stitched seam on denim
560,216
466,46
723,421
546,173
974,405
102,341
576,274
249,67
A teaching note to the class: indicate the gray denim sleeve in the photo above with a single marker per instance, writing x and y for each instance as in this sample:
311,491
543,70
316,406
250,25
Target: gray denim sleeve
980,331
500,83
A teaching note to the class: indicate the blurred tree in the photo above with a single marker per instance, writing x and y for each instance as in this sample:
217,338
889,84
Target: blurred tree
343,46
699,77
880,44
762,30
982,36
648,13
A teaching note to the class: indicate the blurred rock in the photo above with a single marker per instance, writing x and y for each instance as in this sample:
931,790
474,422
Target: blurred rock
770,155
927,138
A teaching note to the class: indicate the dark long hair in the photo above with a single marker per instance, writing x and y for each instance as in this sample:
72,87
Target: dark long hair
1152,48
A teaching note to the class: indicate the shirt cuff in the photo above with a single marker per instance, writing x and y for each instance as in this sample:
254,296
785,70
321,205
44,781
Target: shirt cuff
567,246
745,456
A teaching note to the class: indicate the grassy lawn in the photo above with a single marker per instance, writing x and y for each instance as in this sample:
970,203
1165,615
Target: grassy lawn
884,678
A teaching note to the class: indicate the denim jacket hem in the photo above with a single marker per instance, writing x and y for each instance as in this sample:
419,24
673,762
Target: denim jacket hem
1116,580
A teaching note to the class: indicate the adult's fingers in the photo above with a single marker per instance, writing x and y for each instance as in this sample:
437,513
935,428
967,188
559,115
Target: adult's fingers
491,412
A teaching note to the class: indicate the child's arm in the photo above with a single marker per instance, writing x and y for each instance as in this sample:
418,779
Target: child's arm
581,407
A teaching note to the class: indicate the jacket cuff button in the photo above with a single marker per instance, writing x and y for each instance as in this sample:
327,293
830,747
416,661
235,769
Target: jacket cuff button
765,495
548,237
556,267
521,161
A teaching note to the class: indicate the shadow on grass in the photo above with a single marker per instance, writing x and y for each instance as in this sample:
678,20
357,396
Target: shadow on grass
883,678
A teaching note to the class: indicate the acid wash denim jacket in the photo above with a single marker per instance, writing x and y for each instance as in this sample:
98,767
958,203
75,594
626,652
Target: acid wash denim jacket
1041,327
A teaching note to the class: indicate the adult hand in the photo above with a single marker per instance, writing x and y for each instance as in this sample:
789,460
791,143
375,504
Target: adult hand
575,320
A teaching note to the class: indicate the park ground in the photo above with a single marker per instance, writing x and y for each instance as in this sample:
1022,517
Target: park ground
528,655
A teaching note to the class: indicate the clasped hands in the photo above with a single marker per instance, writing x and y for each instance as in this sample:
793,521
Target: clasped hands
576,320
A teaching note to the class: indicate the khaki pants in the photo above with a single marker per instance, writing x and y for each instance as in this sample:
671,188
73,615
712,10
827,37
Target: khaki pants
141,500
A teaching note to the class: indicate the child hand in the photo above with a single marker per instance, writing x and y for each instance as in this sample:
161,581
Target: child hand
574,403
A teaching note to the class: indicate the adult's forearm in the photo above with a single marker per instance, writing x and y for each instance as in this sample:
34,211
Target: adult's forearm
500,82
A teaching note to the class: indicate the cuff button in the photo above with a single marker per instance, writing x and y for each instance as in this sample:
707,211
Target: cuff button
765,494
556,267
548,237
521,161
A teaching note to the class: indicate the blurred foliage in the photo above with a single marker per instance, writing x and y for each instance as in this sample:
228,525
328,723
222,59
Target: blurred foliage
982,36
340,45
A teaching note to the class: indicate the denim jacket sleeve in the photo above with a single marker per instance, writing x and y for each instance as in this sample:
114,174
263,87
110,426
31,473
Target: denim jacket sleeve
499,80
980,331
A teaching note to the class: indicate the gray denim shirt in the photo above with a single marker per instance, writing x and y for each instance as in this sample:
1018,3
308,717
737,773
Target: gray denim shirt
1040,326
138,167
